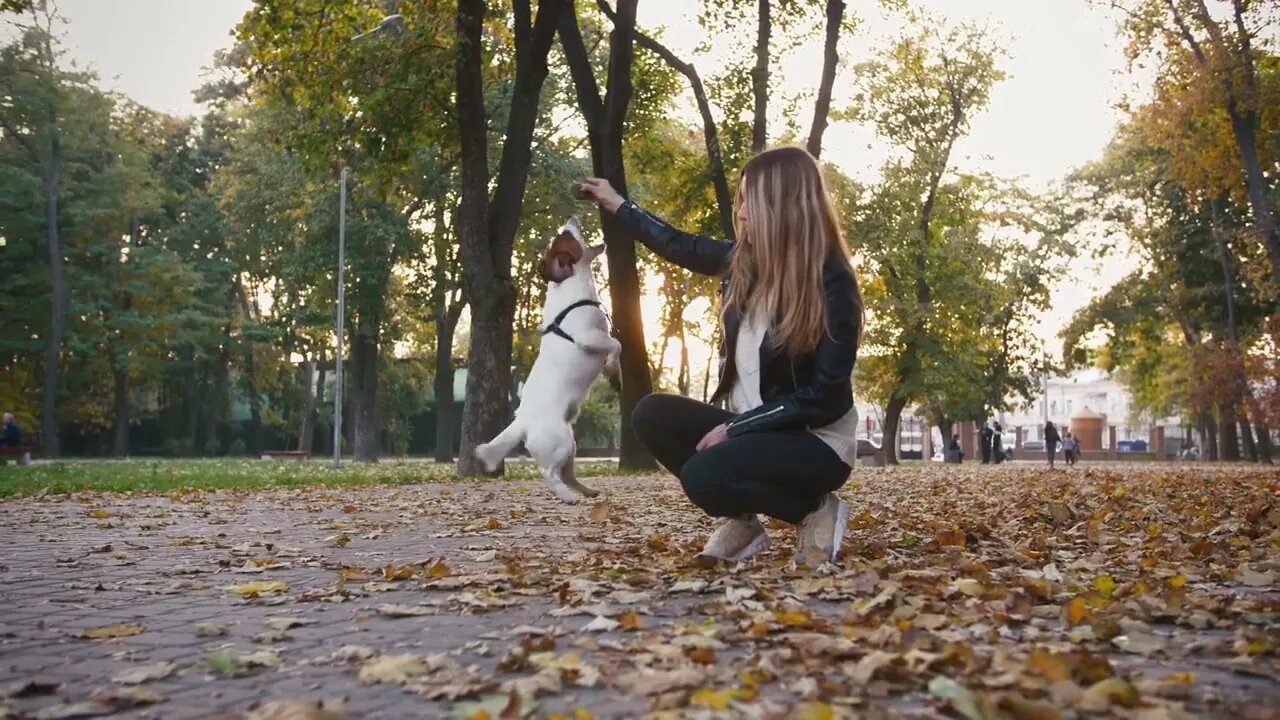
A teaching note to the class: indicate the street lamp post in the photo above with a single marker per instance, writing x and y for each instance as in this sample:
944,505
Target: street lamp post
342,262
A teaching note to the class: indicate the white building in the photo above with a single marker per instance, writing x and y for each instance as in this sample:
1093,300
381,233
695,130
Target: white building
1061,397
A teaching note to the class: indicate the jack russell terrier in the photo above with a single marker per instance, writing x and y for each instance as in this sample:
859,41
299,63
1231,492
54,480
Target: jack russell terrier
576,346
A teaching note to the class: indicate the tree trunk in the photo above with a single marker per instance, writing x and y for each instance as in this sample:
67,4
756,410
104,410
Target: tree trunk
655,372
57,301
830,59
1209,431
1244,128
364,393
327,438
446,325
307,424
1264,440
1228,442
485,411
760,78
1233,336
624,291
190,400
892,419
1246,435
606,120
216,412
683,379
486,229
120,442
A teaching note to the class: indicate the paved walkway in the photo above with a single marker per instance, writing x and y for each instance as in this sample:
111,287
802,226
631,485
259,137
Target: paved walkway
1021,586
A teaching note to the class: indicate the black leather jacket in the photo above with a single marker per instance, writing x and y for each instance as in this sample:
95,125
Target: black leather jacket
808,391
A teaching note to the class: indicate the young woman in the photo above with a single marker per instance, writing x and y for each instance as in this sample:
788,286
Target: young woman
792,317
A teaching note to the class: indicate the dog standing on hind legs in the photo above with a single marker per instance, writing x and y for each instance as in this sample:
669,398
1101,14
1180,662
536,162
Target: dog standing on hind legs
576,347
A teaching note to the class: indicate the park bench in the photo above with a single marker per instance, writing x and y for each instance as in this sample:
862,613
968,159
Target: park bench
298,455
21,452
870,454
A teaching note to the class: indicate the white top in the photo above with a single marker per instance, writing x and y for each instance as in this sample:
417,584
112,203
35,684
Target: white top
840,435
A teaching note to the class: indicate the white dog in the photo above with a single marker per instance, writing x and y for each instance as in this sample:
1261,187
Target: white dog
576,346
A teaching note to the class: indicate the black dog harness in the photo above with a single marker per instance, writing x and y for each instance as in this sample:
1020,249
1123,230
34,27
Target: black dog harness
555,329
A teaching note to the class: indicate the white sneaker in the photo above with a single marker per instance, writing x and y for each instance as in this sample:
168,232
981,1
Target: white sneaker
821,532
736,539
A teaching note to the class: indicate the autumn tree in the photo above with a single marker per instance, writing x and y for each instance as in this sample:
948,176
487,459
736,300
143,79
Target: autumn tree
920,93
1216,94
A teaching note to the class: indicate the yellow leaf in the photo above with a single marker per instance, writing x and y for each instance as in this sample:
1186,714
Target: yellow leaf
712,699
815,711
254,589
1046,664
1186,677
1105,585
493,524
1177,581
792,617
600,512
400,572
100,514
118,630
438,569
1076,611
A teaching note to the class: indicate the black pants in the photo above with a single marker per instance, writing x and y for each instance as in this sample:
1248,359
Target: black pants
781,474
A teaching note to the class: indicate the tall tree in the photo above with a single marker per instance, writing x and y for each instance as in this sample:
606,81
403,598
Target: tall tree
606,118
920,94
37,90
1215,60
487,226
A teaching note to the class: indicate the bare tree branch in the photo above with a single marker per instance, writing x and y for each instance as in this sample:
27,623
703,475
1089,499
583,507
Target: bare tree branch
710,134
831,57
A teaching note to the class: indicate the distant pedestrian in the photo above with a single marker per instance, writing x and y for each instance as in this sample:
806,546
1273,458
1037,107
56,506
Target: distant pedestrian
984,442
997,445
12,434
1051,440
954,453
1070,446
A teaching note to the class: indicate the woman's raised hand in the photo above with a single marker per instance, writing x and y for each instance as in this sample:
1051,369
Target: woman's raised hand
599,190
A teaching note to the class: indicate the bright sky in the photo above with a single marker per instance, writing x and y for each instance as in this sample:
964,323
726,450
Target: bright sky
1054,113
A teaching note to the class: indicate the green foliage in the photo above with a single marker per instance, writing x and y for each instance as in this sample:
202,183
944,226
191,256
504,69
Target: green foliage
163,476
956,265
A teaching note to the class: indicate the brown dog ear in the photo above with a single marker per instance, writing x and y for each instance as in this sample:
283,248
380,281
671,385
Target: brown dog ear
561,254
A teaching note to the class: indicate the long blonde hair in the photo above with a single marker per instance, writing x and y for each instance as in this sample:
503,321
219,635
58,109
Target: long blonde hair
790,231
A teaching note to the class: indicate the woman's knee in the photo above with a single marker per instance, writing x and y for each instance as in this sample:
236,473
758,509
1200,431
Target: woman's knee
647,417
647,412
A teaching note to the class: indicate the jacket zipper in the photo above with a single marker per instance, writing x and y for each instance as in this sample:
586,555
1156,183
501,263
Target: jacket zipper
767,413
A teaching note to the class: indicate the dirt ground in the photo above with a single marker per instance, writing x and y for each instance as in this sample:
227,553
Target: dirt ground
979,592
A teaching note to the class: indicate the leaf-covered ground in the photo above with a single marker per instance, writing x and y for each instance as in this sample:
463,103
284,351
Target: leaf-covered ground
963,591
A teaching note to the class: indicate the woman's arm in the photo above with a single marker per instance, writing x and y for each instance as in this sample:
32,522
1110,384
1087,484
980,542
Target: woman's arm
698,253
829,394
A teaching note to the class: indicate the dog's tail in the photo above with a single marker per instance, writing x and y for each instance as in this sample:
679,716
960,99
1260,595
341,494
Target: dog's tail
491,453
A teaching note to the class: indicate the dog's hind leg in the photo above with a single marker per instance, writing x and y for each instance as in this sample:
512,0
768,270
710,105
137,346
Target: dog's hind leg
569,476
493,452
551,445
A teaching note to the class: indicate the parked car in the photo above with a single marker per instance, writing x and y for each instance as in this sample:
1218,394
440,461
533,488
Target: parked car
1033,445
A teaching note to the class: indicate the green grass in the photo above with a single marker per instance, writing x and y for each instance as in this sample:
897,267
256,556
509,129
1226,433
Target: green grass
167,475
